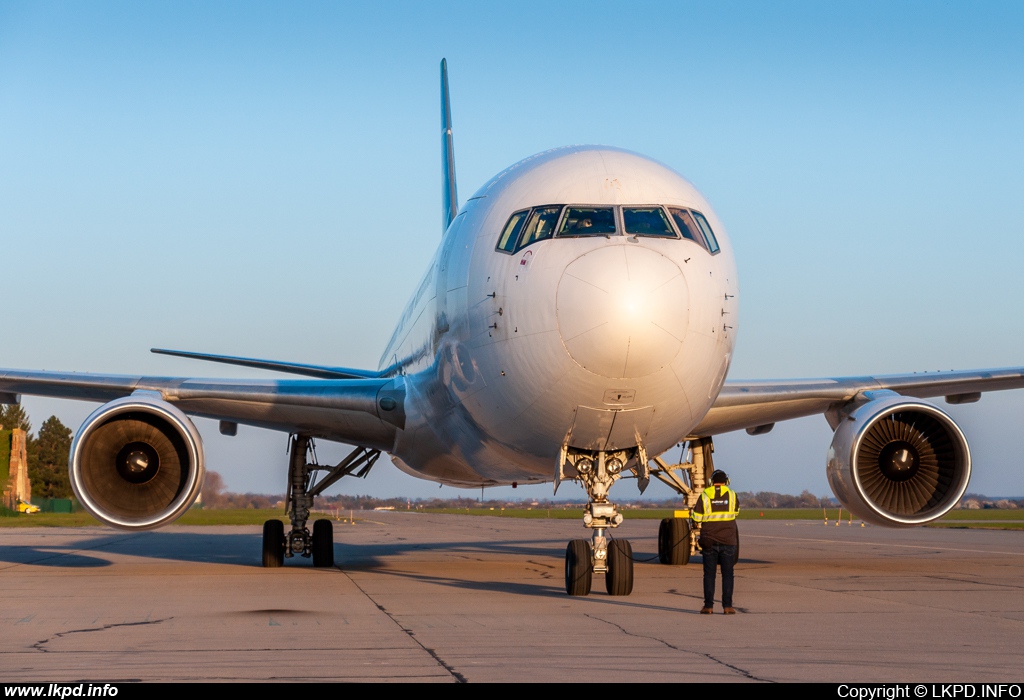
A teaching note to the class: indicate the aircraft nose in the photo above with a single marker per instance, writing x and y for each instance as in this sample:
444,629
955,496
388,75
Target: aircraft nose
622,310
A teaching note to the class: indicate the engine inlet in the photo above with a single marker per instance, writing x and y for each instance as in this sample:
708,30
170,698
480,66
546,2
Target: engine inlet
898,462
137,463
907,463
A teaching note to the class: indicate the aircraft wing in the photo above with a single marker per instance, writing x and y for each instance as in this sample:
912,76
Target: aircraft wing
754,405
347,410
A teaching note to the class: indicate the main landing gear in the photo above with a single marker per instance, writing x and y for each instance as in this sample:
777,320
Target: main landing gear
301,490
597,471
677,540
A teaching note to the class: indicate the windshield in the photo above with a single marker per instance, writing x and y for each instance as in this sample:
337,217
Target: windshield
709,235
686,226
646,221
510,235
588,221
540,225
528,226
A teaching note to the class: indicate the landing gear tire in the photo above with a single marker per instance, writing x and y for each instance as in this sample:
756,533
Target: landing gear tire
273,544
323,543
579,568
674,542
619,579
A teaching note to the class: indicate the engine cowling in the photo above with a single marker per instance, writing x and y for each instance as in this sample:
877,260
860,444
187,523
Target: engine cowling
137,463
898,462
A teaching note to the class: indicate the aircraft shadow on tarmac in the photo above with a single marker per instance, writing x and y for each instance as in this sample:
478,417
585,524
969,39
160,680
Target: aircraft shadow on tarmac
58,556
243,550
691,606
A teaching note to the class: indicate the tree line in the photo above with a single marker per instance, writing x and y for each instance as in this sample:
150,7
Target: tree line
217,496
47,452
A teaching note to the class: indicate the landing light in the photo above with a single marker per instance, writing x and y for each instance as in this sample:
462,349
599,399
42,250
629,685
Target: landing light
614,465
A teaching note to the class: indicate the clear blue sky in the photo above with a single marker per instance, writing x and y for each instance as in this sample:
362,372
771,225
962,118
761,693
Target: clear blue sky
264,179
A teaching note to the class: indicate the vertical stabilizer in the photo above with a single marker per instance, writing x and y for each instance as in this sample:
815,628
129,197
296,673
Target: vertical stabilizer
449,191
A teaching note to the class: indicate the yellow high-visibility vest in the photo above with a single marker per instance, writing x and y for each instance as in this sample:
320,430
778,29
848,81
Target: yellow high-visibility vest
717,506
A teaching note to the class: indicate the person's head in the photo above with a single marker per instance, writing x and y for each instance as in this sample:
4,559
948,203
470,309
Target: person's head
720,477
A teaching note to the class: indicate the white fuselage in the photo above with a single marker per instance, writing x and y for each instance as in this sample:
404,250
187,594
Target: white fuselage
596,342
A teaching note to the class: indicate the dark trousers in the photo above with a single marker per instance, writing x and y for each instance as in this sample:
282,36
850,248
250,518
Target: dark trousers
716,555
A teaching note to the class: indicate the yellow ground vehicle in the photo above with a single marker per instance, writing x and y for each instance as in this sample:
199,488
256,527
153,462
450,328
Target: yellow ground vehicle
27,507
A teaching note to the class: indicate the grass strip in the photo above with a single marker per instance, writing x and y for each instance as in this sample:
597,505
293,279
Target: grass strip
639,513
973,519
978,525
985,514
196,516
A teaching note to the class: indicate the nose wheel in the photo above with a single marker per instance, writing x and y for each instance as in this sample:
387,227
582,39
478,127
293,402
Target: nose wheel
580,564
579,567
618,580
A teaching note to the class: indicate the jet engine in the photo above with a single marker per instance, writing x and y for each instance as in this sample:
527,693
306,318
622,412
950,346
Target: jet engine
137,463
898,462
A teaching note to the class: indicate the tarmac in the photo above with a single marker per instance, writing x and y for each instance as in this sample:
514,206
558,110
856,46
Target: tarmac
453,598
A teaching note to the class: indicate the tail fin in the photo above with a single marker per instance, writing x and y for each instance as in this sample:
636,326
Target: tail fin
449,191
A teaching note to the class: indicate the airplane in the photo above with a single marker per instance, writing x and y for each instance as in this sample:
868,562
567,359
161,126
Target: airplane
576,322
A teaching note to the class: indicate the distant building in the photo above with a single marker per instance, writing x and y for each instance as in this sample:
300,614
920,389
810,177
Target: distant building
14,467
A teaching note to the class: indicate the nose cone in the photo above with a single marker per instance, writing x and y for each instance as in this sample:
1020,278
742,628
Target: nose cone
622,311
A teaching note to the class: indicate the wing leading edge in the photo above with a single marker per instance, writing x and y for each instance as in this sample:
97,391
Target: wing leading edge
754,404
363,412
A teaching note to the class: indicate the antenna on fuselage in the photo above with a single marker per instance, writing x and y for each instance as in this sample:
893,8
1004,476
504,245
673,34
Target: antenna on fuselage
449,191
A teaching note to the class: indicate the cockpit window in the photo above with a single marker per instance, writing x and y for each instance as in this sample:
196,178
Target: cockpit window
686,226
588,221
528,226
510,235
540,225
646,221
709,235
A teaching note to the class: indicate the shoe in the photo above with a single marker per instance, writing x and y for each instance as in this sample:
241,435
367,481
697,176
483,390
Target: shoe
706,611
729,611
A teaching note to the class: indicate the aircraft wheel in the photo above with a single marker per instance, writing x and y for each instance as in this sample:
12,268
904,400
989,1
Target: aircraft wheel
323,543
619,579
579,568
674,541
273,544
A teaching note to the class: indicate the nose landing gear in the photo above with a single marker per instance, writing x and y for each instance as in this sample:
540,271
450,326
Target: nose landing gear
677,540
601,555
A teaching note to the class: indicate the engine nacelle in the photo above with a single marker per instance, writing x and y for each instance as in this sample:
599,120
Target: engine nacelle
137,463
898,462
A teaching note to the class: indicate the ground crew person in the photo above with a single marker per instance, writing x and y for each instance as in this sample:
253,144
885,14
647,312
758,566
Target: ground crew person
716,511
